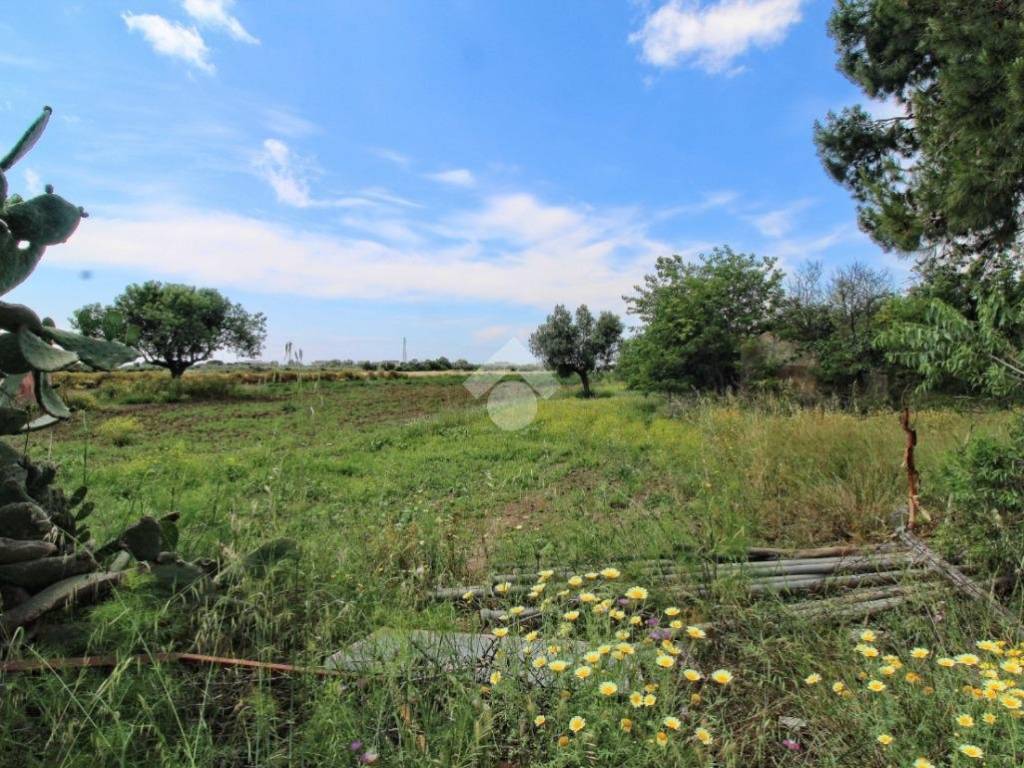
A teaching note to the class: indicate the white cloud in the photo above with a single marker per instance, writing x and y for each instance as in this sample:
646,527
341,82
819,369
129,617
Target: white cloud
457,177
713,35
778,223
286,123
33,183
214,14
289,176
170,38
276,165
391,156
574,256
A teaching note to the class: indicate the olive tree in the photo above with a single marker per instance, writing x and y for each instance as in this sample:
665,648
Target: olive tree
577,346
175,326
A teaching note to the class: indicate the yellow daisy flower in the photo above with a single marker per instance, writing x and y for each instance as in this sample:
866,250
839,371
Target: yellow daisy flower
969,750
672,723
661,739
503,587
665,662
703,735
650,700
692,675
636,593
876,686
722,676
636,699
539,720
868,636
610,573
608,688
919,653
672,611
501,632
495,678
696,633
577,724
558,665
812,679
884,739
965,721
582,672
626,724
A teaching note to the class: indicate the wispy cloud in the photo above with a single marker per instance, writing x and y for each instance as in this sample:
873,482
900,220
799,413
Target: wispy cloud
779,222
169,38
33,182
456,177
277,165
710,202
215,14
546,254
283,122
290,175
391,156
713,35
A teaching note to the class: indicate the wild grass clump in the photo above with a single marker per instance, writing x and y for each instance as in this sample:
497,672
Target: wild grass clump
120,431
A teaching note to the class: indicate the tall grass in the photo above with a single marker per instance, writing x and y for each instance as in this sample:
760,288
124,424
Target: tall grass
392,487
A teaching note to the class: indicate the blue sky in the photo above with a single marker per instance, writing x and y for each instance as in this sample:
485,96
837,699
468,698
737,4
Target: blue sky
444,171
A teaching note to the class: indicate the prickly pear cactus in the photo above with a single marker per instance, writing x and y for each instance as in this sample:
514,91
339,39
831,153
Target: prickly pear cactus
30,347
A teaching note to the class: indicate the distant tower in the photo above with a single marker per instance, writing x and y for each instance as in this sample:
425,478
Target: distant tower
403,350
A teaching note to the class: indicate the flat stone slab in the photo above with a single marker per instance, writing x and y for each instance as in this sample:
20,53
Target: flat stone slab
449,651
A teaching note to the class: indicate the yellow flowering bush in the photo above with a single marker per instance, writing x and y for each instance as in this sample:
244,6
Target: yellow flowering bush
605,668
930,710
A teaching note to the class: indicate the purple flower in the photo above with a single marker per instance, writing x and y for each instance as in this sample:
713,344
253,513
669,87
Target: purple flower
623,601
653,621
791,745
356,745
369,757
661,634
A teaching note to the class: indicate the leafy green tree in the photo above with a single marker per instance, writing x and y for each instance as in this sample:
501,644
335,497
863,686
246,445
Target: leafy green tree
577,346
175,326
945,175
835,323
980,343
696,317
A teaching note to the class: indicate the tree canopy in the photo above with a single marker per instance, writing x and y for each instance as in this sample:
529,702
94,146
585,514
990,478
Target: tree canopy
577,346
175,326
696,317
836,322
944,176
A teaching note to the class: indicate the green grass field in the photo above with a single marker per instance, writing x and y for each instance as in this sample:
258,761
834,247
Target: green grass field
392,487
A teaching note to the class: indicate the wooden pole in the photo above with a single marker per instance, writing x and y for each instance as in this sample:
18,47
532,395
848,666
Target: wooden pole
913,502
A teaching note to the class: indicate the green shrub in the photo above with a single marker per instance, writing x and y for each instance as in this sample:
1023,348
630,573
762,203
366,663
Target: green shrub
78,400
120,430
984,482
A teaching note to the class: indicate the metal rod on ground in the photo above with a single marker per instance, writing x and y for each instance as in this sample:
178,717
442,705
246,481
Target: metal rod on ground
779,567
830,554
